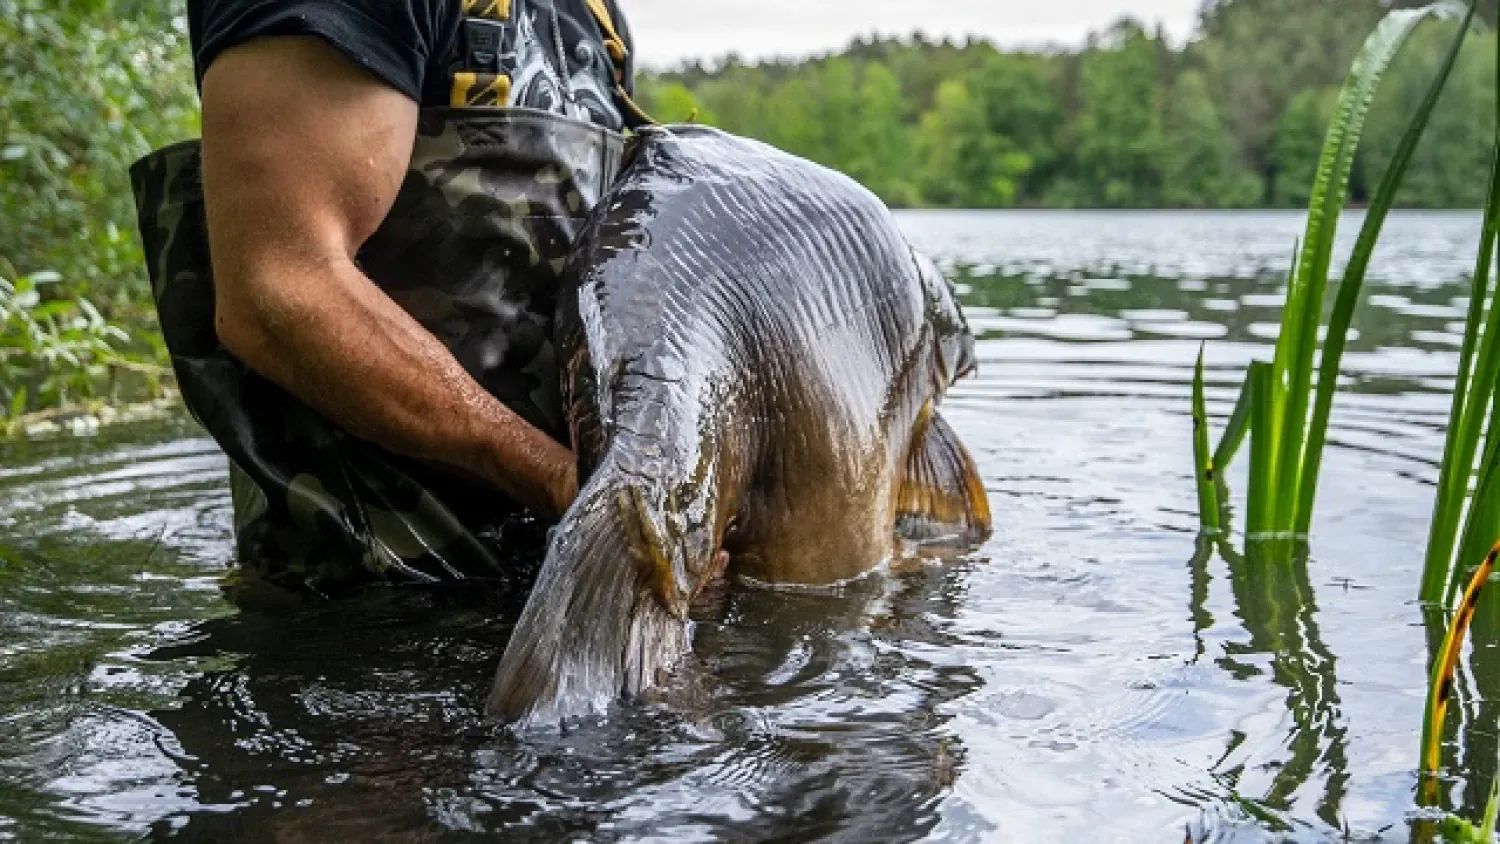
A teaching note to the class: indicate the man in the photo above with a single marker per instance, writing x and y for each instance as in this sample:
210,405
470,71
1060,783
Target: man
355,271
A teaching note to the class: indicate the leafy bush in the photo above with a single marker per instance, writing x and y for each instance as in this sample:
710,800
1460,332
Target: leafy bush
86,87
60,352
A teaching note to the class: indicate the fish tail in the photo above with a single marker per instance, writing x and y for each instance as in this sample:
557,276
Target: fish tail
941,496
594,627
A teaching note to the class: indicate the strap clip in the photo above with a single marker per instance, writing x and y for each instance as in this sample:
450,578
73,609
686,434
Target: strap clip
483,42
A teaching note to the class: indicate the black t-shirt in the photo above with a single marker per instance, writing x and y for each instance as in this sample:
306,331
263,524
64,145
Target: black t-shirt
413,45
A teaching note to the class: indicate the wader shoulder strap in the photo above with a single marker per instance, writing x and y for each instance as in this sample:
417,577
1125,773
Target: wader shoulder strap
618,53
478,80
612,40
495,10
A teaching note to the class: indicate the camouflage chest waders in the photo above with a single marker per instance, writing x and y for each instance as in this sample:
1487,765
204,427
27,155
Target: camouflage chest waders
481,227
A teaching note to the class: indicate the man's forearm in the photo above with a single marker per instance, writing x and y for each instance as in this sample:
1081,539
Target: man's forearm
345,348
303,156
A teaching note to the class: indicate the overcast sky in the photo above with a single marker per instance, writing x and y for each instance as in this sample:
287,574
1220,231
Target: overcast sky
668,31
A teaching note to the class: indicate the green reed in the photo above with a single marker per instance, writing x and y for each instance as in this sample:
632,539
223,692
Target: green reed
1208,487
1464,524
1470,522
1285,410
1440,686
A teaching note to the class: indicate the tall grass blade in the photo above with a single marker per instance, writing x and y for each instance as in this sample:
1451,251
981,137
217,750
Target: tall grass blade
1472,387
1303,314
1274,391
1234,433
1454,830
1440,684
1257,511
1482,527
1203,466
1354,276
1491,811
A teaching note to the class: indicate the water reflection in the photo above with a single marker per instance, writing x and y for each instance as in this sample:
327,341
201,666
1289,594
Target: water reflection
1276,604
1081,308
1470,741
285,727
806,712
1076,682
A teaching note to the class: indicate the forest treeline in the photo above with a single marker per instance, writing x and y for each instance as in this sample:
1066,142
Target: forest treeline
1233,119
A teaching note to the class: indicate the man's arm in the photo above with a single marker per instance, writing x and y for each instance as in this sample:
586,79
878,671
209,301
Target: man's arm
303,155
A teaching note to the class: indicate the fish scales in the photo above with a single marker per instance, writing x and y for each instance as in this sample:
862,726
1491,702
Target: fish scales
754,357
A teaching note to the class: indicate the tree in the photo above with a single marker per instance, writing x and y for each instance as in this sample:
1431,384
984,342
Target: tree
964,163
1449,165
673,102
85,89
878,153
1118,129
1016,92
1262,54
1201,163
1297,142
796,125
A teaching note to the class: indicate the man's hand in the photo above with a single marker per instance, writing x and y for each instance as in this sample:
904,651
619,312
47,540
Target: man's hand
303,154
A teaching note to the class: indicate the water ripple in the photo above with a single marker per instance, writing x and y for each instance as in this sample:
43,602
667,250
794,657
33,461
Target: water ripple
1084,678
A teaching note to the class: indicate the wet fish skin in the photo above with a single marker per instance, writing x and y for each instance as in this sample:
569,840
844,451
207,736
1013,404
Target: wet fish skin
753,358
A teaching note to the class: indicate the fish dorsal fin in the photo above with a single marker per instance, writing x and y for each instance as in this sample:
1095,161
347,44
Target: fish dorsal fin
942,497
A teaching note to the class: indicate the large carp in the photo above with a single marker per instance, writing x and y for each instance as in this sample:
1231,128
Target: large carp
752,359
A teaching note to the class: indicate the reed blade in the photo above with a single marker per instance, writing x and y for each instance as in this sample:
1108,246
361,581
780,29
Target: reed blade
1203,465
1491,811
1440,684
1353,281
1257,518
1275,389
1482,525
1304,307
1234,432
1464,427
1472,387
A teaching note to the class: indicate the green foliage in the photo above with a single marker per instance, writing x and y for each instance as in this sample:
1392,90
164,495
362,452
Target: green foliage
1456,149
1297,145
674,102
1201,163
1016,92
57,352
1116,135
1457,515
1265,53
1288,415
962,163
1234,118
878,149
86,87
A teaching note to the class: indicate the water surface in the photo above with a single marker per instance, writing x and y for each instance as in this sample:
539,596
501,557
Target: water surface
1086,676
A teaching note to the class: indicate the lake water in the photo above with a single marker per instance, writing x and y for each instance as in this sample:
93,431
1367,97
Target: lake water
1085,677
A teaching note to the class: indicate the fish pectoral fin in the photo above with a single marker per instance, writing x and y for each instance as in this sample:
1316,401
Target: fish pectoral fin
942,497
